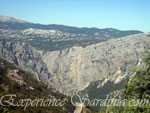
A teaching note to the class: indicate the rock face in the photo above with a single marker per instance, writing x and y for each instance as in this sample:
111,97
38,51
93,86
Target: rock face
26,57
73,69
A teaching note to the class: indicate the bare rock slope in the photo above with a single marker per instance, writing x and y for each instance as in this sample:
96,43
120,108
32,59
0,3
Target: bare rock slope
74,68
26,57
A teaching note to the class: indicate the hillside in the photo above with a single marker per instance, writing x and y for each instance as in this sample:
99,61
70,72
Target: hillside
137,89
26,57
14,80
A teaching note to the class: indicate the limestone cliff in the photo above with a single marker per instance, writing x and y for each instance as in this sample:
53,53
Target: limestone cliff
74,68
26,57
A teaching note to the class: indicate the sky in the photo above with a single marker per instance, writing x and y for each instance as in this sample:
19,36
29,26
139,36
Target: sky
119,14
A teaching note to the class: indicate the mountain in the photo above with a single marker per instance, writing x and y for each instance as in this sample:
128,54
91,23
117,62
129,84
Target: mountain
20,24
72,59
55,37
10,19
75,68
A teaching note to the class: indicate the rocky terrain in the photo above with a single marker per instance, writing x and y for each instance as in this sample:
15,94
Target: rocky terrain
72,59
55,37
73,69
26,57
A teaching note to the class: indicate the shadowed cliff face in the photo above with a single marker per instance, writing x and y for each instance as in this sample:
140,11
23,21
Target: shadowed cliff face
26,57
72,69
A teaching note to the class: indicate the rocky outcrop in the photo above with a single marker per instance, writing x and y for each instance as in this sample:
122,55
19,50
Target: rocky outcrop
72,69
26,57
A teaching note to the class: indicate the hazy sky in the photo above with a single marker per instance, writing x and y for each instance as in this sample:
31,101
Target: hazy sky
119,14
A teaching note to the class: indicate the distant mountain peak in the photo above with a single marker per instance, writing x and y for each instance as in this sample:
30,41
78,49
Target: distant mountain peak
10,19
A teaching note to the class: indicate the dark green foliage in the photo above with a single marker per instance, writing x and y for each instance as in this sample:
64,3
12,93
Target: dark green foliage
31,89
137,88
49,45
101,92
7,64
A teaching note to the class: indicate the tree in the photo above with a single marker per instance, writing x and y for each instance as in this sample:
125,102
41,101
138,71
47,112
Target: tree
137,88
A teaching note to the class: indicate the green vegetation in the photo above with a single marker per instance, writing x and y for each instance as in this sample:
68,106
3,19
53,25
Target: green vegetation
137,88
101,92
29,89
53,44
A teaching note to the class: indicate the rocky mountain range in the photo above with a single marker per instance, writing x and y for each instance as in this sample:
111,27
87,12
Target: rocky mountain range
70,58
55,37
7,22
